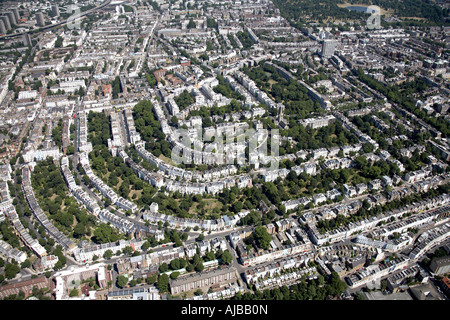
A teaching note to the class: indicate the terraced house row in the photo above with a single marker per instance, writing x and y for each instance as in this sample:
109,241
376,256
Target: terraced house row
59,237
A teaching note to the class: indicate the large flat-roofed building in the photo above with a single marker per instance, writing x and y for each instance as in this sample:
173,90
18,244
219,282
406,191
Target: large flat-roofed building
27,39
63,278
55,10
2,27
318,122
6,22
440,265
425,291
328,48
204,279
140,293
40,19
16,13
11,17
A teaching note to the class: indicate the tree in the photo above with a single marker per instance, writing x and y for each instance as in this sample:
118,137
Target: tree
163,283
336,285
211,23
25,264
272,192
262,237
198,292
122,281
189,267
133,283
151,80
361,162
199,267
151,279
73,293
175,264
226,257
104,234
146,245
108,254
124,188
79,230
116,87
210,256
61,258
184,100
367,147
11,270
176,239
127,250
320,280
59,42
237,207
163,267
201,237
191,24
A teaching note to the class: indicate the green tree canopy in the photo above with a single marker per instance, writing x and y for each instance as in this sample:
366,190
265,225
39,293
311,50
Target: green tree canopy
122,281
262,237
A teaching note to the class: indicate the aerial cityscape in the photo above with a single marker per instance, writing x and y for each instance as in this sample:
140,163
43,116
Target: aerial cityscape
239,150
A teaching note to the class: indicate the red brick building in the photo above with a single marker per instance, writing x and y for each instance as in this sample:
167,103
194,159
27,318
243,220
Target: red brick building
26,286
445,286
159,74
